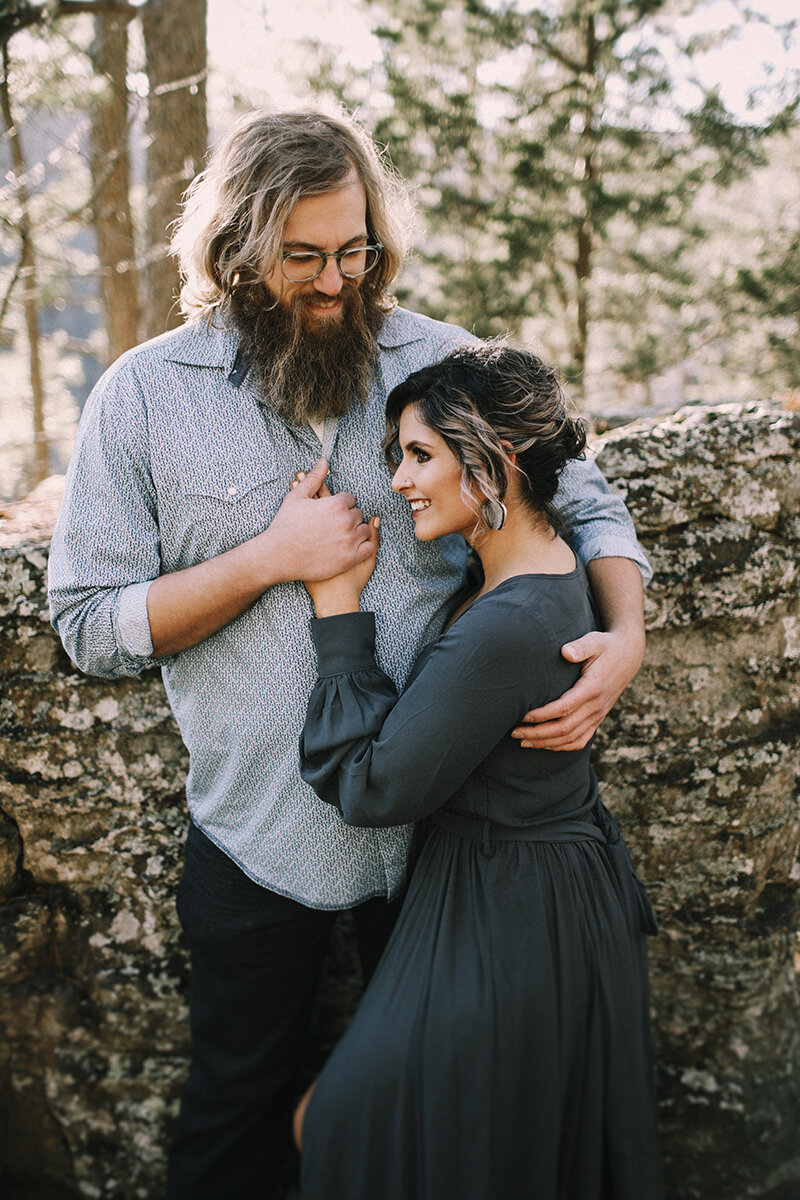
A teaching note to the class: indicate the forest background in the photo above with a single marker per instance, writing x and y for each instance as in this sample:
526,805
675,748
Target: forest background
615,182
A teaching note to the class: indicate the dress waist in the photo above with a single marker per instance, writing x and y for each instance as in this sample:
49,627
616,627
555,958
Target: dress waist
562,829
602,829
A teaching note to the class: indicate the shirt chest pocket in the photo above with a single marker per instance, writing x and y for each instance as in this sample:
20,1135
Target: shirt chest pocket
222,504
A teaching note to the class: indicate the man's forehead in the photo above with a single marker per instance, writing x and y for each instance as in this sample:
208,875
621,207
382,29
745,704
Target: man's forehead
340,211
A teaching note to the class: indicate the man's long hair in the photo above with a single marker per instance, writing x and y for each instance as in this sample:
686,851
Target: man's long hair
231,229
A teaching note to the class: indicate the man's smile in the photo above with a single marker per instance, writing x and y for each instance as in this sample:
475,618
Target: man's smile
319,304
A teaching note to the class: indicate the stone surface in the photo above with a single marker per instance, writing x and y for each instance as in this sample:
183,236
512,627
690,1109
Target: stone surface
699,761
92,1003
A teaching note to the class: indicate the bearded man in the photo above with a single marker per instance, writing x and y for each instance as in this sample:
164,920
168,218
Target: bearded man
180,543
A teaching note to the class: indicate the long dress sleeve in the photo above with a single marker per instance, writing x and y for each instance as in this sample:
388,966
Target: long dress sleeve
386,761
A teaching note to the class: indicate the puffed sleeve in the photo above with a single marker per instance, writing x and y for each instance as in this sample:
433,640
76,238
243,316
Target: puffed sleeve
387,761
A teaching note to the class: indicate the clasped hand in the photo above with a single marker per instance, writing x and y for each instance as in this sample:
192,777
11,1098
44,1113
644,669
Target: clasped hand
333,552
339,573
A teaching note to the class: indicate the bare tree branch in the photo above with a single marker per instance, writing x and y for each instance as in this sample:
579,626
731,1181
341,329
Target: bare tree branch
23,15
9,291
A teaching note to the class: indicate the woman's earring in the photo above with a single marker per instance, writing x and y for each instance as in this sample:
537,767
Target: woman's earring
494,514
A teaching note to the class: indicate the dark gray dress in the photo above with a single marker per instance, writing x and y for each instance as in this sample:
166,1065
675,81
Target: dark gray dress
502,1049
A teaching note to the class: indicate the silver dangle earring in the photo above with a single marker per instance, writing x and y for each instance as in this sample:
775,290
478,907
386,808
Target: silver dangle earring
494,514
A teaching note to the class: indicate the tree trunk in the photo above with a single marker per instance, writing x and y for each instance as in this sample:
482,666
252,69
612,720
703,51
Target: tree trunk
27,274
177,137
587,94
110,167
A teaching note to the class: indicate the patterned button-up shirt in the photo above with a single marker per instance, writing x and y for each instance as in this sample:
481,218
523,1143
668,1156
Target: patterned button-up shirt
179,459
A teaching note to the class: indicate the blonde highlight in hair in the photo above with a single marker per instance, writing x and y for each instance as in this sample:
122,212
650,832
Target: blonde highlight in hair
231,229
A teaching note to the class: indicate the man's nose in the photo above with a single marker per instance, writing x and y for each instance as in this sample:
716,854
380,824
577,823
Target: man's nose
329,281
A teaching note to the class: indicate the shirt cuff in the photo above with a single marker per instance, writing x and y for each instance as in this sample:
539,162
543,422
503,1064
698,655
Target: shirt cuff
133,625
613,547
344,643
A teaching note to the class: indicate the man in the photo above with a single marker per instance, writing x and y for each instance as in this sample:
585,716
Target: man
180,542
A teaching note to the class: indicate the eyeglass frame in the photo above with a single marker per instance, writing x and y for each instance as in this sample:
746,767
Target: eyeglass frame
335,254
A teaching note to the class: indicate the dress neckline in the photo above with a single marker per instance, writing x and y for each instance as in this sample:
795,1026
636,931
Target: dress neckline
578,569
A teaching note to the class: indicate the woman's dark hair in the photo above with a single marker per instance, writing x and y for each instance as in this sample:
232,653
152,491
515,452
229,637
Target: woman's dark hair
487,401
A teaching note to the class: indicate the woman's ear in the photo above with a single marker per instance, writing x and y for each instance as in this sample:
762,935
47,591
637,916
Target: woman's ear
510,451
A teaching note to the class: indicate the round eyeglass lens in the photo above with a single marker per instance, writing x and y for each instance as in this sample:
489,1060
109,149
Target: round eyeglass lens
301,266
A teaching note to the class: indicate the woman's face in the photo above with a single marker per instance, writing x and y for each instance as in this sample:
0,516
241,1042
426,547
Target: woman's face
429,478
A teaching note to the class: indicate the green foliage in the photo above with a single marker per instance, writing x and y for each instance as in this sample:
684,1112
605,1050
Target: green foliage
557,170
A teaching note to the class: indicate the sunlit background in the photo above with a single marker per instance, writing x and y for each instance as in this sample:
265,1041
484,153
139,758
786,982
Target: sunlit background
668,318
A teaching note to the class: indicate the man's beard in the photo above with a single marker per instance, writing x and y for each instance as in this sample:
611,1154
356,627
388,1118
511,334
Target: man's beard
309,368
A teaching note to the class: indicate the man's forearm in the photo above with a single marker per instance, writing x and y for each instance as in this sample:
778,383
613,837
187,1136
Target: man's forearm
617,587
309,538
185,607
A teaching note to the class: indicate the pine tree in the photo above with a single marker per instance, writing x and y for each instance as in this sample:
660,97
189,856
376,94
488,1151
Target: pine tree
556,170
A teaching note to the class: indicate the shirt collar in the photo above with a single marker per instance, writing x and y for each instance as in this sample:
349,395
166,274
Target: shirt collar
400,328
198,345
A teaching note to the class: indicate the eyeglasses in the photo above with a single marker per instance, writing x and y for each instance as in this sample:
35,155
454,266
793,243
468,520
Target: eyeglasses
301,266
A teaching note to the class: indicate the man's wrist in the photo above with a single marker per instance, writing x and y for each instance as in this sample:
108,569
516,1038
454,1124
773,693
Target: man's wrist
266,562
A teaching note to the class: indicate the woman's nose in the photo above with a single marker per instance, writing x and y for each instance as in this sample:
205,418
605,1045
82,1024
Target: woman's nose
400,480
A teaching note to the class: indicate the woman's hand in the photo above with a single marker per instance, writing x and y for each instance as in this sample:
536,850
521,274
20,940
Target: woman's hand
342,593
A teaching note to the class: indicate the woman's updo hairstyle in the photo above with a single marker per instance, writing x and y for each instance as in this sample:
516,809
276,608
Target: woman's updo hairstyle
482,396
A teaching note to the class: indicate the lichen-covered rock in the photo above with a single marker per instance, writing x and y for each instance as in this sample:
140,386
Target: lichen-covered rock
92,1004
699,761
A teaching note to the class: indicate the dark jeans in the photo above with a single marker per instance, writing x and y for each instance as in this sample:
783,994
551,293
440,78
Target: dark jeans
256,958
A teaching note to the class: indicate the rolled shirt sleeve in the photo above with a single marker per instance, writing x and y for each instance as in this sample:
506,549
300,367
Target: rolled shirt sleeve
133,625
106,546
598,523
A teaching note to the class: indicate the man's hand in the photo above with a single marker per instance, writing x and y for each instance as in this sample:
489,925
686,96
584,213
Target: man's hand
610,663
315,535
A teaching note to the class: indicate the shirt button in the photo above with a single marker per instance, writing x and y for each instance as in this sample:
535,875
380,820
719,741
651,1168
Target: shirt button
232,491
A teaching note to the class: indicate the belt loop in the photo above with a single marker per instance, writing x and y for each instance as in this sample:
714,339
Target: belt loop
486,842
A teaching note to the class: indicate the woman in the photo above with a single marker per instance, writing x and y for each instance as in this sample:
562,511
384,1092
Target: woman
502,1048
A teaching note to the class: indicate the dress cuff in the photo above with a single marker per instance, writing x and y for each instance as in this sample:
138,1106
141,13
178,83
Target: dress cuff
133,626
344,643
